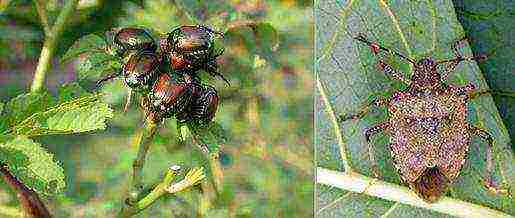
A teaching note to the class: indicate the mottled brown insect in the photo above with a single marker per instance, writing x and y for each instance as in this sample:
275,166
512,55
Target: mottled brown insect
427,125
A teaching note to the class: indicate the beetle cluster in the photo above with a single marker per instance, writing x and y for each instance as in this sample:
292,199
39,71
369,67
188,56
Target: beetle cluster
168,75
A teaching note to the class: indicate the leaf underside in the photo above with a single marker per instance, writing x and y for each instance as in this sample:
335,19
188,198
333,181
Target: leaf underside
347,77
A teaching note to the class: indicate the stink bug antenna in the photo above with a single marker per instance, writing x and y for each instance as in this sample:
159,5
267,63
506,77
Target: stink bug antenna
458,57
376,47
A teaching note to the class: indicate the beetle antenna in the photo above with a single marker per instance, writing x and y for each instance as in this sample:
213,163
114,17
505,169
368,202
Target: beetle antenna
107,78
376,46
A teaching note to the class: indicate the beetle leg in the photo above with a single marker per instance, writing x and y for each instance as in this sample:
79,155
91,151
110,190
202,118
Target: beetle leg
128,101
211,68
377,102
488,182
388,70
371,154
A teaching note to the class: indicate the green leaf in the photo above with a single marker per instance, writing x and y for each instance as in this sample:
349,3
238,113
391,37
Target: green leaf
32,164
93,57
210,135
488,24
91,43
70,91
23,106
96,65
83,114
347,76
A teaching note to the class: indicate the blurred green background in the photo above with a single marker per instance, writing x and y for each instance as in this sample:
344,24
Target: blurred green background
267,111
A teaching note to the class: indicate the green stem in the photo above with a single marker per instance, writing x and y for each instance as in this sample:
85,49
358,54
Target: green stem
40,7
155,194
216,171
143,147
51,39
369,186
193,177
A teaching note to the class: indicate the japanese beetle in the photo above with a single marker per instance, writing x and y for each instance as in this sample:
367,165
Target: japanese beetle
140,71
170,97
133,39
204,106
192,48
186,100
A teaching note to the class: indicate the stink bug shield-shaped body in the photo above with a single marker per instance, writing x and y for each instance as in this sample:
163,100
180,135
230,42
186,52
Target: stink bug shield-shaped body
427,125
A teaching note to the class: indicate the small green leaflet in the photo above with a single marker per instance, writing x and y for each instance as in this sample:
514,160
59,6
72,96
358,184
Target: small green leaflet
79,115
23,106
32,164
94,58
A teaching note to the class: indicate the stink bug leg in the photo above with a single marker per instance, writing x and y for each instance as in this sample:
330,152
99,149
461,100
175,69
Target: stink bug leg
371,151
488,181
378,102
457,58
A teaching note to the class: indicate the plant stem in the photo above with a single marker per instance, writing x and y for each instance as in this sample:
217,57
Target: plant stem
361,184
193,177
216,170
143,146
40,7
156,193
51,38
30,201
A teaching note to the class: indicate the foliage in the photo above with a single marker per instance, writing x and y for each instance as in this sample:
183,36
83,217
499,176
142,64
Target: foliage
32,164
417,29
34,114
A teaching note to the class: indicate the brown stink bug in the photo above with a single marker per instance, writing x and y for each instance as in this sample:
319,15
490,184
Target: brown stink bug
427,125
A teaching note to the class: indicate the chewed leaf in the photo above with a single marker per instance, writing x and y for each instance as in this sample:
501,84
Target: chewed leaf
79,115
211,135
23,106
94,58
91,43
32,164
